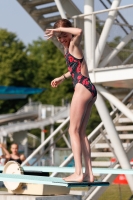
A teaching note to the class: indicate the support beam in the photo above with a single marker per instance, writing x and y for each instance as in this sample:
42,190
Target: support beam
88,8
46,141
115,102
35,2
52,146
117,49
105,32
42,138
110,128
129,57
60,8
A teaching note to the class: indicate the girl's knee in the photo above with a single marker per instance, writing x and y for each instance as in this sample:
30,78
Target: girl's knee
73,130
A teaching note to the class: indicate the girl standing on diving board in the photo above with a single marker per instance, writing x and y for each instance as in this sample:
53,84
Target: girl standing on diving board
84,96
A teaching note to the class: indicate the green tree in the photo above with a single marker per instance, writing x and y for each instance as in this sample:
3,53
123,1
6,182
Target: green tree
16,68
35,66
51,64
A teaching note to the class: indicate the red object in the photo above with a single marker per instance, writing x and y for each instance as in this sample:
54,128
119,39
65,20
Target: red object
121,178
45,131
113,160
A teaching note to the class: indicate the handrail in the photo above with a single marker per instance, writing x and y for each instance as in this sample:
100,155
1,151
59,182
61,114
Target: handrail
46,141
48,148
101,11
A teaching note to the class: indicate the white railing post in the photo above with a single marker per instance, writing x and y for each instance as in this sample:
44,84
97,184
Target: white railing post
60,8
116,102
46,141
117,49
105,32
88,8
93,40
129,57
114,138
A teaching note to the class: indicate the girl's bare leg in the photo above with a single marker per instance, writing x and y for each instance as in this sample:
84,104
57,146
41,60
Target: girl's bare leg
79,105
88,176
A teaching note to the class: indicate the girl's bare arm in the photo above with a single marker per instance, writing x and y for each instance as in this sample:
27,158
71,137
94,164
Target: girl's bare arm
7,154
76,32
57,81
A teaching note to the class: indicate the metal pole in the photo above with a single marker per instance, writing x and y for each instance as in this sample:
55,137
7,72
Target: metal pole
60,8
93,40
105,32
92,66
88,8
46,141
52,147
116,50
114,138
42,138
115,102
66,141
47,149
129,57
102,11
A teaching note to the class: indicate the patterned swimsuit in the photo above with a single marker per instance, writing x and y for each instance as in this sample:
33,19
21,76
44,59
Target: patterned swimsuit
74,67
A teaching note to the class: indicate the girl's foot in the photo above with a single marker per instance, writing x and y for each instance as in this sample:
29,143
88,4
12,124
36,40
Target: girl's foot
74,178
88,178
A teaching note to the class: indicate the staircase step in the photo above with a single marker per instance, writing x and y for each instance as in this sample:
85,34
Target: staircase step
105,145
49,19
101,163
124,136
43,11
124,128
101,154
124,120
36,2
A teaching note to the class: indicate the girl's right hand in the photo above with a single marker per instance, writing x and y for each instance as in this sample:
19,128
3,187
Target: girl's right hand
56,82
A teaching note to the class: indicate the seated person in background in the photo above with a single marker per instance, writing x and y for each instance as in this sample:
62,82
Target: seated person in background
15,156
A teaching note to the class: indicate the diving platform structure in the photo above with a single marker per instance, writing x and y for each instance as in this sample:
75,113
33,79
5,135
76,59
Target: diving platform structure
108,51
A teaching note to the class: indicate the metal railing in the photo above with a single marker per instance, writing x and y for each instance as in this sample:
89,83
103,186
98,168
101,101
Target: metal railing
98,51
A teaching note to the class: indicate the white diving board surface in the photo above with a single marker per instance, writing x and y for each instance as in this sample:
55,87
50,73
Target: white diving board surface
72,169
47,180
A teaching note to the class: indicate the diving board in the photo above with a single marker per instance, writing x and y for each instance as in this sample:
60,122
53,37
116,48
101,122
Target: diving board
47,180
15,180
72,169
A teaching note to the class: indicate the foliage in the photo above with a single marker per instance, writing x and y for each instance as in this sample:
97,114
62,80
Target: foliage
15,67
116,192
51,64
35,66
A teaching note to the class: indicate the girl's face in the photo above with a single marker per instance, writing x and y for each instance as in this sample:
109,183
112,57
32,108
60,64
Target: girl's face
14,149
64,38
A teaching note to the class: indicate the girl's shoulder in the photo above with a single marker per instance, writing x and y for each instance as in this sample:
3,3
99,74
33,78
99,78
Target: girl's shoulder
22,156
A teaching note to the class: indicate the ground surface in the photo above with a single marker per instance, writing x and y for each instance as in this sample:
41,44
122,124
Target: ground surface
116,192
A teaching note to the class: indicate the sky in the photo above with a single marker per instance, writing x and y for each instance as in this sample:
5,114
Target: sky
15,19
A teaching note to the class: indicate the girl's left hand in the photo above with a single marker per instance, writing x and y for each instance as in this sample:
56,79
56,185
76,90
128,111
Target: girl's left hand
51,32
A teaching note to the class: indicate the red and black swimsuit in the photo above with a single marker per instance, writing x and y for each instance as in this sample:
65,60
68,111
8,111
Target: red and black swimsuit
74,67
